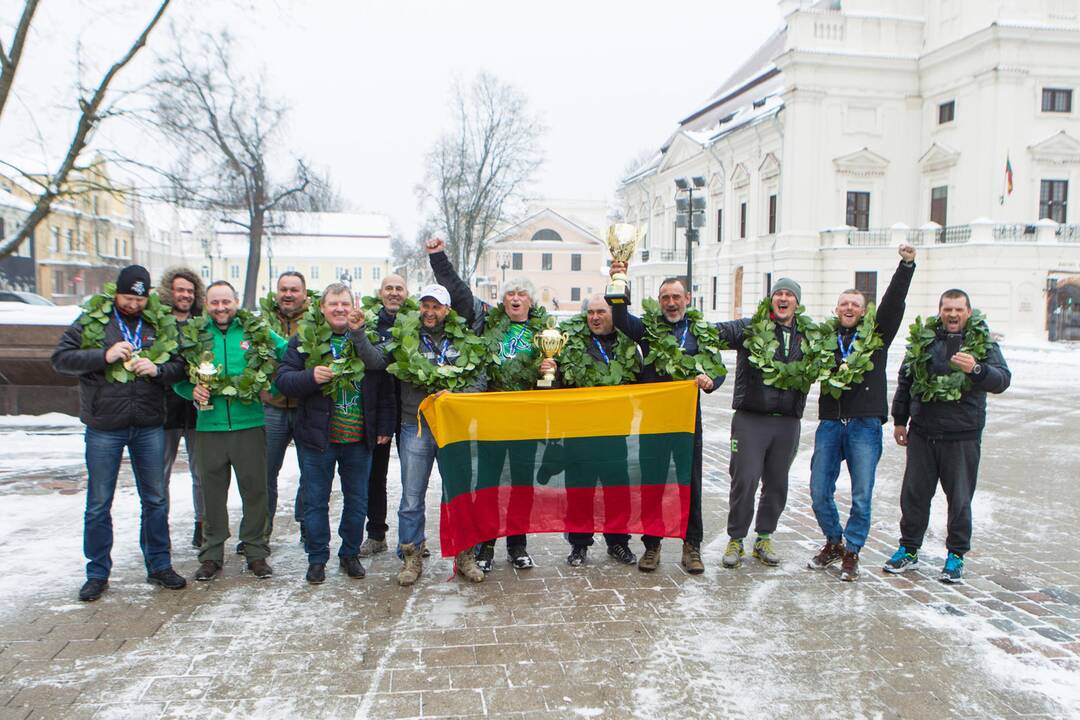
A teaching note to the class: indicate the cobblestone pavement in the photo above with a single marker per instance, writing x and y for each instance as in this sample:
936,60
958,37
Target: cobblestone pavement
601,641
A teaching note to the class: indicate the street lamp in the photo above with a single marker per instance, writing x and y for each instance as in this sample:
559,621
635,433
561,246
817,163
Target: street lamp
502,260
690,214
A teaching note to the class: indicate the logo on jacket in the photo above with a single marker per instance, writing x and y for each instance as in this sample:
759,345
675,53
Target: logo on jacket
244,344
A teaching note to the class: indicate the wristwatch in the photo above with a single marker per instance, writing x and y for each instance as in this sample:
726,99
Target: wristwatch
977,369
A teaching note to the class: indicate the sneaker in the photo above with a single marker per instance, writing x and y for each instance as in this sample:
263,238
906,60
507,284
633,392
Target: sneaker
352,566
371,547
622,553
691,558
424,552
260,568
240,548
953,572
733,553
92,589
576,558
485,556
316,573
411,565
196,537
466,567
519,557
650,559
763,551
829,553
167,578
207,571
902,560
849,566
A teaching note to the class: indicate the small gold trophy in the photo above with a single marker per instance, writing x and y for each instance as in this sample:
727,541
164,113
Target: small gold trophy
550,342
206,370
622,240
129,364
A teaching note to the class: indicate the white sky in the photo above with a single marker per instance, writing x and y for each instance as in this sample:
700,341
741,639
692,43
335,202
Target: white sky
368,81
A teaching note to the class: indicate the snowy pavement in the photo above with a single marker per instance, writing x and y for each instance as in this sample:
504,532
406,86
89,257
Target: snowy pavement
601,641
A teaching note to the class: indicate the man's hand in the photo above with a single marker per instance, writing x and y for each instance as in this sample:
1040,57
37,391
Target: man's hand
548,365
436,243
120,351
382,439
265,396
704,382
323,374
201,394
907,252
356,319
617,266
899,434
964,361
144,367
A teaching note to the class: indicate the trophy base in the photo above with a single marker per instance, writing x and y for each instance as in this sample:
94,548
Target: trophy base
617,293
207,406
545,382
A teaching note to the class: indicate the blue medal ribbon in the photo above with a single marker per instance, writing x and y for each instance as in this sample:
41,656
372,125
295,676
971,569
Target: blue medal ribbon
685,332
134,338
845,351
603,352
440,355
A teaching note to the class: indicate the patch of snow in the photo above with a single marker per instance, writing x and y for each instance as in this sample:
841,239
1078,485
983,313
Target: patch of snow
54,419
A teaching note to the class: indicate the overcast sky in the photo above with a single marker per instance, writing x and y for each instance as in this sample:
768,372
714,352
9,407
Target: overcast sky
368,81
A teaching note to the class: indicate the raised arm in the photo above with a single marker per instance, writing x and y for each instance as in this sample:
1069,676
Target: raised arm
890,313
461,297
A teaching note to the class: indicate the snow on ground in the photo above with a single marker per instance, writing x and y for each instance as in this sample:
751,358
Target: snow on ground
58,420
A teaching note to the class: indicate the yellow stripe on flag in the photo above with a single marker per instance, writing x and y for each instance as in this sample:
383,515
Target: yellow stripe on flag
648,409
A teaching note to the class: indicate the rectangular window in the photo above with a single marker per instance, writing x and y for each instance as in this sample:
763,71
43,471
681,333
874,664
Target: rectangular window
742,220
866,283
71,240
515,261
358,272
772,214
376,273
545,261
715,282
314,274
719,228
339,272
1057,100
55,239
858,210
946,112
205,272
575,294
939,205
1054,200
767,282
234,272
575,262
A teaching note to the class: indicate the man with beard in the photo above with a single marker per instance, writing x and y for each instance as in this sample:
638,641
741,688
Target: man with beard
122,413
182,289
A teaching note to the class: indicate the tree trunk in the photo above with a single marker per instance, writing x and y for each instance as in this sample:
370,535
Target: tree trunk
255,234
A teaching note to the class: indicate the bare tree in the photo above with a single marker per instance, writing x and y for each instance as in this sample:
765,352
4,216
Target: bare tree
93,110
9,61
477,169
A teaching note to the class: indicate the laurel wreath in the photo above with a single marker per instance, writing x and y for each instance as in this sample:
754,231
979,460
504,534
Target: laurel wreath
372,305
921,336
838,377
520,371
315,335
269,307
411,366
261,356
96,314
580,369
761,343
668,358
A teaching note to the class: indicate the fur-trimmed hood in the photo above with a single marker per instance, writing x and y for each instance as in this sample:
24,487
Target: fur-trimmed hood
164,288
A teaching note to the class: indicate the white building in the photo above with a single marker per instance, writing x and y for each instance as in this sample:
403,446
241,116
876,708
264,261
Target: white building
861,123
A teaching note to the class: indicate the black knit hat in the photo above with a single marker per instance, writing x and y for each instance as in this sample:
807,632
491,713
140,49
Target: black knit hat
133,280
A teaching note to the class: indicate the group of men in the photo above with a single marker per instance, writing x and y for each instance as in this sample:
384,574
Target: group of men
318,376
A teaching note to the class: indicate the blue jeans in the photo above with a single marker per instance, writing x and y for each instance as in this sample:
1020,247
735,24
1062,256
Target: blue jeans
858,441
279,433
104,450
417,455
353,461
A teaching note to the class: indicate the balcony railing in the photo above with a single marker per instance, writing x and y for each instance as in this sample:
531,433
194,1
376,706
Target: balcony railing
954,234
978,231
661,255
1068,233
869,238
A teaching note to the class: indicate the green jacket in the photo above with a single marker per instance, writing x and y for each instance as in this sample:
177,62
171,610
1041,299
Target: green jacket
227,413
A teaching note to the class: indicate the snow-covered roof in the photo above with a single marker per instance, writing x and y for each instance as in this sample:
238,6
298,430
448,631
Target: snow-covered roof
10,201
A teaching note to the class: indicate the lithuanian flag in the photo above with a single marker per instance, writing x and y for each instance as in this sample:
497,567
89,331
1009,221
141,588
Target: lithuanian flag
603,459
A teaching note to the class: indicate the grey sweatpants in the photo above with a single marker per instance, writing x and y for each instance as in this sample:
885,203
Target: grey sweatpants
762,450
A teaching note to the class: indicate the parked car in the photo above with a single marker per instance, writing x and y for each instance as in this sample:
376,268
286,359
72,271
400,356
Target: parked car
19,296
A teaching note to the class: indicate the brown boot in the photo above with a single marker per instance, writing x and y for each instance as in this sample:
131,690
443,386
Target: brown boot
827,555
207,571
467,567
849,566
412,565
649,559
260,568
691,559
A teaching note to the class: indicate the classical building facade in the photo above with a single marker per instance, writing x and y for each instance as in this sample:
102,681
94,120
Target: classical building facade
953,124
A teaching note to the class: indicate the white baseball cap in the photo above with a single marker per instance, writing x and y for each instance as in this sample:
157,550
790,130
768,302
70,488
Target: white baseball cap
435,292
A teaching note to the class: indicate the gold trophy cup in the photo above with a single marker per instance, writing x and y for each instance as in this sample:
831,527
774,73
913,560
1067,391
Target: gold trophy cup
206,370
622,240
550,342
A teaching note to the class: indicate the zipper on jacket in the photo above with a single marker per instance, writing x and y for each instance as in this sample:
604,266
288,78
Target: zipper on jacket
225,349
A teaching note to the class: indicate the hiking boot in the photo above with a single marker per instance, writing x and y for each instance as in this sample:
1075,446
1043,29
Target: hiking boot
260,568
519,557
412,565
733,553
207,571
371,547
622,553
849,566
316,573
649,559
485,556
576,558
424,552
466,566
196,537
240,548
92,589
691,558
167,578
953,572
352,566
829,553
763,551
902,560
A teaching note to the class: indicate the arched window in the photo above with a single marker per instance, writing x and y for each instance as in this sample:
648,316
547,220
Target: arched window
547,234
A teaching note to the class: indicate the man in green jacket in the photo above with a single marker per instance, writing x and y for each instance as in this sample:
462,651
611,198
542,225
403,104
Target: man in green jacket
230,432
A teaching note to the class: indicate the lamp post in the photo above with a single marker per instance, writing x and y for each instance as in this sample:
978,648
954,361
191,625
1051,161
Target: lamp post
502,260
690,214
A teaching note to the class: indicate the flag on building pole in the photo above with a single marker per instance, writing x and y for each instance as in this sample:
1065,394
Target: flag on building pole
1008,175
604,459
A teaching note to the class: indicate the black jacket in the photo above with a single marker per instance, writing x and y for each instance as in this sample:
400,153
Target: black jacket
180,413
313,411
634,328
751,394
105,405
961,419
870,397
